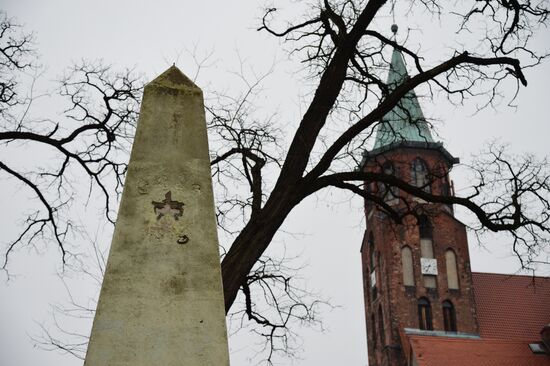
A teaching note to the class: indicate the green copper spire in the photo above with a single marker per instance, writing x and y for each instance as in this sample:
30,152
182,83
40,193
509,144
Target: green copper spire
405,122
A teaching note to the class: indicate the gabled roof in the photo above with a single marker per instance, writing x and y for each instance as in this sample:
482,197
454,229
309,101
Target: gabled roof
511,306
405,122
437,351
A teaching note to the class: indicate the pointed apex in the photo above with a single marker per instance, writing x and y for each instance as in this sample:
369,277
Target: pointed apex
405,122
174,78
398,71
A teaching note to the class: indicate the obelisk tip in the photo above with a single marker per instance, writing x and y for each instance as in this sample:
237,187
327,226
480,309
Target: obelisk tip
174,78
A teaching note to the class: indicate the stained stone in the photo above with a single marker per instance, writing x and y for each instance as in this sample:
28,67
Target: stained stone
161,302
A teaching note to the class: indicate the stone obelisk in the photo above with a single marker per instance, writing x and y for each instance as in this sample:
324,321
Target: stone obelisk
161,302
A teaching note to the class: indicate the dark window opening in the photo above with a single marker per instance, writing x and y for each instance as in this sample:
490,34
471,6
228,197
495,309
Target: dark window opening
449,316
424,314
425,227
419,175
374,292
388,193
371,252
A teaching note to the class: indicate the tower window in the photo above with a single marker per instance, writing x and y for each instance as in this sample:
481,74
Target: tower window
425,228
449,316
420,175
407,263
388,193
424,314
452,272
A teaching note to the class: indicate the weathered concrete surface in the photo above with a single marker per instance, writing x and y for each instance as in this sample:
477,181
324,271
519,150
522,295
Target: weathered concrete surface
161,302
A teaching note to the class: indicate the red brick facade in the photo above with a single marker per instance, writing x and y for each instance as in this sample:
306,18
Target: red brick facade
391,306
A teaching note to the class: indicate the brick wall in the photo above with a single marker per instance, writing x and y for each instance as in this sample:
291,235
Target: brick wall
399,303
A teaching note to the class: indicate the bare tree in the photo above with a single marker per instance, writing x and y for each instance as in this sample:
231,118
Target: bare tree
274,297
344,52
89,139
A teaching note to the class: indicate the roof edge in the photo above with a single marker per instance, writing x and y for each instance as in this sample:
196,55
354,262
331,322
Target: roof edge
436,146
440,333
511,275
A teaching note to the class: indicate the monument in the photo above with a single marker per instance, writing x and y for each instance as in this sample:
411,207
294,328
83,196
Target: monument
161,302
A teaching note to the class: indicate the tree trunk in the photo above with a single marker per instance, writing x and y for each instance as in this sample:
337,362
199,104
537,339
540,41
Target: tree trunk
253,241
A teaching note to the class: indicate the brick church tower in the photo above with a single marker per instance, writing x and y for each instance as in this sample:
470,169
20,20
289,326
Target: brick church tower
416,274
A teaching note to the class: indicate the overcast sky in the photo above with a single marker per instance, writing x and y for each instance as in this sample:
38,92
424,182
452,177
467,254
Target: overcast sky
150,36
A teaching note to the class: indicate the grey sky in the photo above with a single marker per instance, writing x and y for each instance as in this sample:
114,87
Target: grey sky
150,36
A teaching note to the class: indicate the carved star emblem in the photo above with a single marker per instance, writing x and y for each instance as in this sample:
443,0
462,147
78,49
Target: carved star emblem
168,207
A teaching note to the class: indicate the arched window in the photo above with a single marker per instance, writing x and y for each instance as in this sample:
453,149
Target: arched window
425,231
424,314
452,272
420,175
449,316
407,263
381,327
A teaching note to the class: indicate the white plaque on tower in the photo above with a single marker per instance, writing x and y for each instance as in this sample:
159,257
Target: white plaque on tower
428,266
